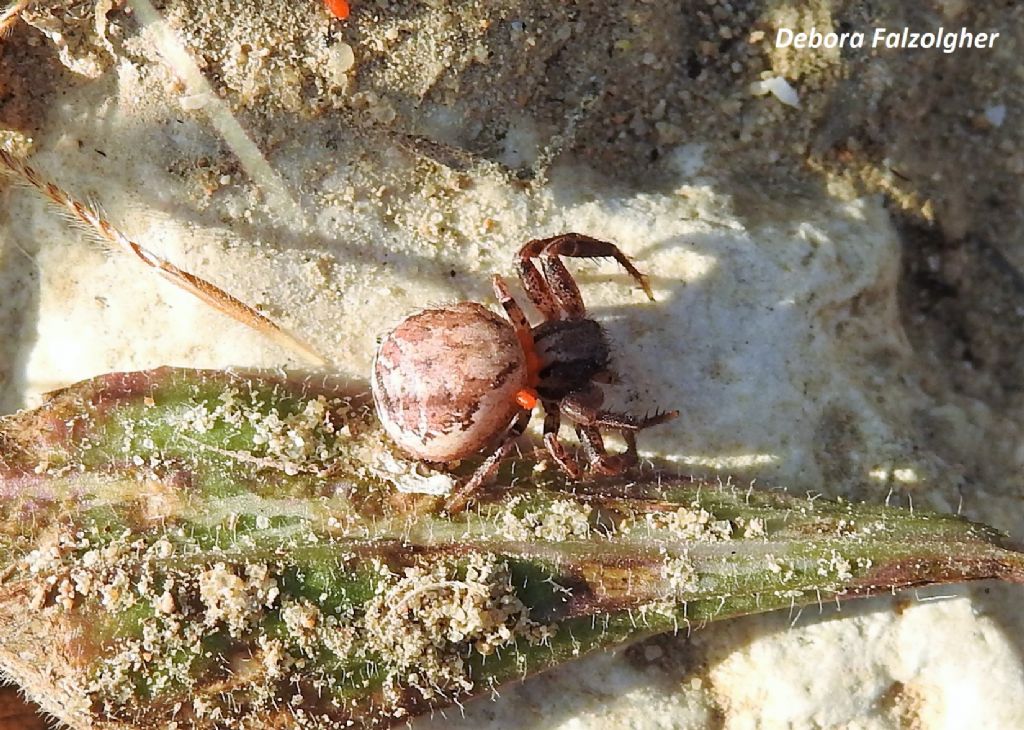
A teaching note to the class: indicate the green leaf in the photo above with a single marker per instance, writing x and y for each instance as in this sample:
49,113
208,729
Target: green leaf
209,547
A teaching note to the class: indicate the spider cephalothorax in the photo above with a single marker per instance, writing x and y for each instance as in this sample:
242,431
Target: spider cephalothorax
447,382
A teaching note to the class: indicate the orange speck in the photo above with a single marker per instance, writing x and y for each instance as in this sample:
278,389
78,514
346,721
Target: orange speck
527,398
339,8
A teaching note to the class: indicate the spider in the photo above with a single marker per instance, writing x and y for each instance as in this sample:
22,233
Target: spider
447,382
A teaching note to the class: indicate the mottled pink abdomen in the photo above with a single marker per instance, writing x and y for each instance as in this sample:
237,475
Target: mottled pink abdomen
445,381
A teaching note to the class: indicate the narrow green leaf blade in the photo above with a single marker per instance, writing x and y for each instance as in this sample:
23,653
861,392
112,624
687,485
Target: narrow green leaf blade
205,547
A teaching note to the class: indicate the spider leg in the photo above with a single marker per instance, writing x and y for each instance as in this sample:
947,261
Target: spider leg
600,460
560,282
583,408
536,287
512,310
624,422
485,472
552,420
521,325
556,289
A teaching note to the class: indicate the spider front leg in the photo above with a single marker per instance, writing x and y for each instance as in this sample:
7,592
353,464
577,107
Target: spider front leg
527,398
600,460
584,409
514,312
485,472
552,422
556,288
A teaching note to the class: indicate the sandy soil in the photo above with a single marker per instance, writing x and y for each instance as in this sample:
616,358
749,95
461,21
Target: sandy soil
839,294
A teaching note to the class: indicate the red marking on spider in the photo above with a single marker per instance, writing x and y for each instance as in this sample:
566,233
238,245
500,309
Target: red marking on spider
338,8
527,398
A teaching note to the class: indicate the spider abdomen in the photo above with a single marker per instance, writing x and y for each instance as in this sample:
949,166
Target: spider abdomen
445,381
